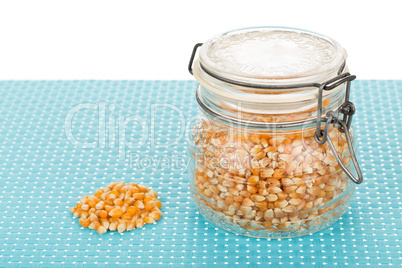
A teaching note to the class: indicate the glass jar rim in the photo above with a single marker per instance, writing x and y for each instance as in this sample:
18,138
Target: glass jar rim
272,56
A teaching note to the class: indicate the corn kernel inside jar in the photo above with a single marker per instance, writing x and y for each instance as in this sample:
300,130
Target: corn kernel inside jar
259,169
267,180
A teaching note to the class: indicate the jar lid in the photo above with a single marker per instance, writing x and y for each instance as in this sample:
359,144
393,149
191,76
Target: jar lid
270,55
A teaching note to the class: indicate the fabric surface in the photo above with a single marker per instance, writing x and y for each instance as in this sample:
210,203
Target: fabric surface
57,144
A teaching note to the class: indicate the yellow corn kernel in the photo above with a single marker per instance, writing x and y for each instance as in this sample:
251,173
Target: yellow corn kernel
116,212
108,208
94,225
322,193
109,202
118,202
147,199
278,173
103,196
143,188
149,205
145,214
121,227
113,219
92,203
129,201
139,223
127,216
135,218
118,186
93,218
101,230
130,226
111,185
248,202
329,188
105,223
158,204
228,201
290,209
84,214
124,189
282,195
114,192
85,199
156,215
238,198
84,222
149,220
257,197
103,214
153,194
98,193
281,203
94,198
252,189
113,226
290,189
124,208
138,196
127,195
134,190
92,210
111,197
77,212
158,210
138,212
315,190
100,205
138,204
253,179
131,210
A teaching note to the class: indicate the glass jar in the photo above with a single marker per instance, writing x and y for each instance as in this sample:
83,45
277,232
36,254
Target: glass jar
273,148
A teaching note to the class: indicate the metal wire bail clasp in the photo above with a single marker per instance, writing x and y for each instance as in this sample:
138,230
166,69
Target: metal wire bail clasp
343,125
190,64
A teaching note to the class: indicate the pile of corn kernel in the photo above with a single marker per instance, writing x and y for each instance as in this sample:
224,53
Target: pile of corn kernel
118,207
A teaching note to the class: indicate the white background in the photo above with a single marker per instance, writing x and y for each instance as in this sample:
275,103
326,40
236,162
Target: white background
153,39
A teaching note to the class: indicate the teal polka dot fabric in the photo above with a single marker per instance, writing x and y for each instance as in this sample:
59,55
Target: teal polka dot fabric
61,140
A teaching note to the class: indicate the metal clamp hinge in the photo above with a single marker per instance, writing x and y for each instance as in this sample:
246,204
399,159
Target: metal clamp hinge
347,109
190,64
